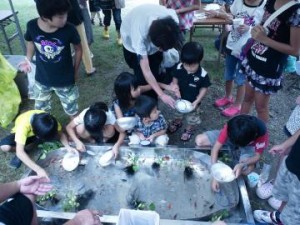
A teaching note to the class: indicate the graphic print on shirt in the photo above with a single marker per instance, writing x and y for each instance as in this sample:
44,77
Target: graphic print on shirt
248,20
49,49
259,48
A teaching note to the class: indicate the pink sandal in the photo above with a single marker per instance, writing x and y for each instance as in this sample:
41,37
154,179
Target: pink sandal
265,190
231,111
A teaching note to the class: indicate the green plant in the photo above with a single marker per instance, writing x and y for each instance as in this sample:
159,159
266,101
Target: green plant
220,215
70,202
141,205
48,196
134,161
47,147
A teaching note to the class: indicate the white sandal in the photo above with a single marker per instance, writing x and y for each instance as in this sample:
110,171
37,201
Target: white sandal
265,190
263,216
274,203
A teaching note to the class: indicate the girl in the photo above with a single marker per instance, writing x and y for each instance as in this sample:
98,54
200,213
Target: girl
250,13
126,90
265,60
95,124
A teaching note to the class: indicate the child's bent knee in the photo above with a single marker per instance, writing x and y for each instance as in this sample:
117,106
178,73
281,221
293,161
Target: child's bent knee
202,140
5,148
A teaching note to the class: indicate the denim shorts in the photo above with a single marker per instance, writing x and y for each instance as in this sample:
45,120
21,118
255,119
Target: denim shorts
232,69
245,152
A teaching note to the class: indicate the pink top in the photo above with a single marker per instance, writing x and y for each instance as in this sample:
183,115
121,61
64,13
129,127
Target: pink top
185,19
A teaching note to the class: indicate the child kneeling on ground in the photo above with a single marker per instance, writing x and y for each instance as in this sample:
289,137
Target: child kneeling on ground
151,124
30,127
244,132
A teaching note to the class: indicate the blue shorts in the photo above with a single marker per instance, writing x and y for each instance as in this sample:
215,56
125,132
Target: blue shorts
232,69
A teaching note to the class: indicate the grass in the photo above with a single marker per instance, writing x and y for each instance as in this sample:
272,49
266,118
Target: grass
109,61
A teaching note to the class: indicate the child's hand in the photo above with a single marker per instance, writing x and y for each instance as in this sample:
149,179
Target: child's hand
25,66
42,173
150,138
215,185
243,28
237,170
141,136
115,151
194,104
80,146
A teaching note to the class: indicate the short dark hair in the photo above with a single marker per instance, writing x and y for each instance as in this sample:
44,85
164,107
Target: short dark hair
144,106
94,120
165,34
49,8
122,88
44,126
242,130
192,52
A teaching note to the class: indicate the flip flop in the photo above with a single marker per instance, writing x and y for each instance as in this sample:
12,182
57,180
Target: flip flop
187,133
265,190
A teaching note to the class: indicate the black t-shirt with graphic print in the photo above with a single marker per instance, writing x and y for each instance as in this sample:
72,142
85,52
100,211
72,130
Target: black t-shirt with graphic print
54,65
267,61
190,84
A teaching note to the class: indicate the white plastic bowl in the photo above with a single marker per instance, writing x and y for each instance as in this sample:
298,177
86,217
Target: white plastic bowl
183,106
127,123
145,142
106,158
70,161
222,173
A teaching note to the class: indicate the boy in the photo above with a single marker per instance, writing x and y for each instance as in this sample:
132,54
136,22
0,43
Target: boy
29,127
245,132
151,124
49,36
193,82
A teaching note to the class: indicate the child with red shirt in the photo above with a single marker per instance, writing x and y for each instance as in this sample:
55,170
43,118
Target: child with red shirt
244,132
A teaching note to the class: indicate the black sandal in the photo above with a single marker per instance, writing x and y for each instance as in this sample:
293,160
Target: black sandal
174,126
188,134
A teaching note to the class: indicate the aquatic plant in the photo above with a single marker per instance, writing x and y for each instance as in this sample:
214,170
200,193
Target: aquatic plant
47,147
220,215
50,196
133,164
70,202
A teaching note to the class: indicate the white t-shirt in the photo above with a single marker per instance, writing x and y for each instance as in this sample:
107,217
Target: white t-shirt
110,117
252,16
135,27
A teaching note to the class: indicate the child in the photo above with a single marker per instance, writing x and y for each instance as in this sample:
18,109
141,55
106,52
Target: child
185,11
193,82
30,127
126,90
251,12
245,132
264,62
286,187
49,36
112,7
95,10
95,124
151,124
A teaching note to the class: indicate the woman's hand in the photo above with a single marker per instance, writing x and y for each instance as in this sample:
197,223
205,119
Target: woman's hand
237,170
80,146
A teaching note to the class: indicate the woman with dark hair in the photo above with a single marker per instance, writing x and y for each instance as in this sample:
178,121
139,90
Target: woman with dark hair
147,31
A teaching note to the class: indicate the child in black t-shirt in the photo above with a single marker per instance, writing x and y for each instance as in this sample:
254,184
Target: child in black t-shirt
192,82
50,37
